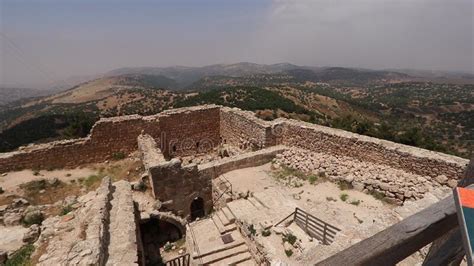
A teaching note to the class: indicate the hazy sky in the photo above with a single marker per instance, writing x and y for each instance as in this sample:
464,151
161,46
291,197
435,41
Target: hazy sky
45,40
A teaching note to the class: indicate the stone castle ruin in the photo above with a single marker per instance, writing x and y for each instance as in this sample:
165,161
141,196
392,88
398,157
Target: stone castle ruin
187,154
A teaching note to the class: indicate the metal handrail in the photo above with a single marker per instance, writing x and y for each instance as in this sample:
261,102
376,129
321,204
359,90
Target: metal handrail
227,189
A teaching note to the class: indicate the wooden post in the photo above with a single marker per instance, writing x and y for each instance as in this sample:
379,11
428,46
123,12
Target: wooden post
306,223
448,249
324,234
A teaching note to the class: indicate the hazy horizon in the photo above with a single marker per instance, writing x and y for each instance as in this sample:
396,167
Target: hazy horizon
44,41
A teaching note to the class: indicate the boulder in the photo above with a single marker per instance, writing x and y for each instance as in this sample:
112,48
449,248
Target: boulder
139,186
19,203
12,218
358,186
452,183
32,234
32,215
442,179
53,182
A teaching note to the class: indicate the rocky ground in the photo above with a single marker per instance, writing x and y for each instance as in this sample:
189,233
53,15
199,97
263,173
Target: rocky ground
393,185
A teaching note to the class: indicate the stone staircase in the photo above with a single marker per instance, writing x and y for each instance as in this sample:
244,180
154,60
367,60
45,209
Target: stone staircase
218,241
224,220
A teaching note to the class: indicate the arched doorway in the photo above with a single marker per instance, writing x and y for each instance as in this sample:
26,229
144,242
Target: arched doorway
155,234
197,208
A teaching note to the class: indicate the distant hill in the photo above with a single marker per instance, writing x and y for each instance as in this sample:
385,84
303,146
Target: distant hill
185,76
388,104
8,95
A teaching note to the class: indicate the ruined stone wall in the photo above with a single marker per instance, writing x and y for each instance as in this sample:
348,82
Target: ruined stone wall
108,138
242,129
177,186
214,169
339,142
189,131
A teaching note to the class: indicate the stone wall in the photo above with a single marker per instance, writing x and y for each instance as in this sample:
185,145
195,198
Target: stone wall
176,186
124,244
339,142
214,169
242,129
189,130
193,130
150,154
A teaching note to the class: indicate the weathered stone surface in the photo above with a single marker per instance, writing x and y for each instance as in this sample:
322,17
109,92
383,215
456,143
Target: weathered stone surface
123,246
12,218
3,257
395,184
82,240
32,234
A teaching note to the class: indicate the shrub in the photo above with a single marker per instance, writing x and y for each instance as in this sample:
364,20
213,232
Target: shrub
331,199
290,238
167,247
344,196
288,252
21,256
266,233
34,186
355,202
91,180
118,155
66,209
252,230
344,185
378,195
312,179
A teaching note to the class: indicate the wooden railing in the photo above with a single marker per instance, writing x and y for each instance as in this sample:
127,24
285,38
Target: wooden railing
313,226
255,248
437,223
183,260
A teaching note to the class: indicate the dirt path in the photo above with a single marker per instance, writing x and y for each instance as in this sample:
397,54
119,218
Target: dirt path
10,181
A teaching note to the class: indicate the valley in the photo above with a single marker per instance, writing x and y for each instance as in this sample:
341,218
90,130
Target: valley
384,104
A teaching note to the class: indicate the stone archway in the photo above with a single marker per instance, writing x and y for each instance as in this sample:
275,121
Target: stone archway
197,208
157,231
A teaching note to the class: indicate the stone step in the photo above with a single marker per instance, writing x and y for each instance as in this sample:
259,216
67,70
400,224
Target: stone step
221,227
237,259
225,221
255,203
225,254
220,249
228,213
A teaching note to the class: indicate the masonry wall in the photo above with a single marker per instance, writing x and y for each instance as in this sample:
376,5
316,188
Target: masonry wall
182,128
242,129
189,131
339,142
177,186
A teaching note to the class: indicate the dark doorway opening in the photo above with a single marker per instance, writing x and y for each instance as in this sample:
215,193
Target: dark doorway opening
197,208
155,234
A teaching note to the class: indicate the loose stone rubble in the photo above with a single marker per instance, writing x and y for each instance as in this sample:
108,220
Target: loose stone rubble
396,185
